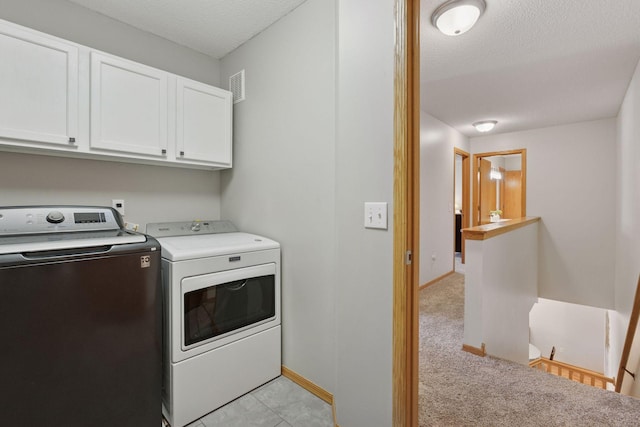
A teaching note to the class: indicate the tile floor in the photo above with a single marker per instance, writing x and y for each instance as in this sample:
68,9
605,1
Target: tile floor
279,403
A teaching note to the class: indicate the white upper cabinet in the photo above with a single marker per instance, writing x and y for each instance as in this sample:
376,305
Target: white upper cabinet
203,123
64,99
38,87
128,106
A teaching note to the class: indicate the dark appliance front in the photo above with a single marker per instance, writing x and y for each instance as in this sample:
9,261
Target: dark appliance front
81,336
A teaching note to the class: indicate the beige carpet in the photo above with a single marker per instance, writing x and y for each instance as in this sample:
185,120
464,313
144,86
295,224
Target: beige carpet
460,389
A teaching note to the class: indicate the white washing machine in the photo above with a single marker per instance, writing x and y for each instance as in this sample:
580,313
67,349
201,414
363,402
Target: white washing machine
222,333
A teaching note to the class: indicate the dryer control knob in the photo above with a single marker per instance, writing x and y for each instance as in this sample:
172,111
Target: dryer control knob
195,226
55,217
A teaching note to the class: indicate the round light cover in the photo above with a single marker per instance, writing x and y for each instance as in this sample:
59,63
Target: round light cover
456,17
485,126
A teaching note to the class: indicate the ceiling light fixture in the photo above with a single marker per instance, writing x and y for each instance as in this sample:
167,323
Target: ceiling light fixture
485,125
456,17
495,174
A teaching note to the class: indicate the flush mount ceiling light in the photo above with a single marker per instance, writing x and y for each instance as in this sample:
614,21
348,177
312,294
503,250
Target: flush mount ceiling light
485,125
456,17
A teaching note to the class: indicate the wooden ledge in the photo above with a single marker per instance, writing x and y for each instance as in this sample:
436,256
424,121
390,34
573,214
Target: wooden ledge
487,231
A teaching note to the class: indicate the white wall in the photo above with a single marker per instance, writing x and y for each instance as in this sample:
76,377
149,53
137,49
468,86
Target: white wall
437,141
151,193
578,332
282,184
78,24
571,186
314,141
627,230
500,288
364,172
473,311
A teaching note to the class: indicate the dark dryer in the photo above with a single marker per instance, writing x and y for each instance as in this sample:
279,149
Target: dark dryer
80,319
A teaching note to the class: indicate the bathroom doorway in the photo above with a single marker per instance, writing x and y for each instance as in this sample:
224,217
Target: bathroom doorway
499,186
461,170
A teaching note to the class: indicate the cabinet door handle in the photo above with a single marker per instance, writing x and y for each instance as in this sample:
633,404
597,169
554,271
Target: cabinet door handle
72,140
164,151
182,153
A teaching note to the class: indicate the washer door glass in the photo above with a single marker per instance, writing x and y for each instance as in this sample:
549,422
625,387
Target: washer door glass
218,309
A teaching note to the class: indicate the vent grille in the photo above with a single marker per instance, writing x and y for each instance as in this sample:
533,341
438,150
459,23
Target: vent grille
236,86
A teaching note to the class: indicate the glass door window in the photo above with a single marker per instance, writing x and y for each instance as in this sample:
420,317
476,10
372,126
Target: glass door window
219,308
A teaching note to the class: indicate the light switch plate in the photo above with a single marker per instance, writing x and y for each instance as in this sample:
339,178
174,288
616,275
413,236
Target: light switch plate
375,215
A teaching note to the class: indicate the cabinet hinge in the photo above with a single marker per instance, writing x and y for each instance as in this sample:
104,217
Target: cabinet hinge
408,257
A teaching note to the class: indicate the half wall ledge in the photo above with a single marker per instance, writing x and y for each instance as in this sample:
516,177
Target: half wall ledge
501,286
487,231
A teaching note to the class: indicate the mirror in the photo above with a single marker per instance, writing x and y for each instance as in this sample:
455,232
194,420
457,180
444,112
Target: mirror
499,186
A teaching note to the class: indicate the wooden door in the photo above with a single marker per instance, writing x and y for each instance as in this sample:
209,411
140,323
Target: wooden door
501,184
512,194
465,197
464,208
487,192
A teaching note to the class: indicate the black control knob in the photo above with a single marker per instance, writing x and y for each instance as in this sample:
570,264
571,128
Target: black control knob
55,217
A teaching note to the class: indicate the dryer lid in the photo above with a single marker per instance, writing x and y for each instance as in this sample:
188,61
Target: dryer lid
181,248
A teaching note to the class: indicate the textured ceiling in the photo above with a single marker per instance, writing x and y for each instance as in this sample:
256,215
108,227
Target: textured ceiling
213,27
531,63
527,63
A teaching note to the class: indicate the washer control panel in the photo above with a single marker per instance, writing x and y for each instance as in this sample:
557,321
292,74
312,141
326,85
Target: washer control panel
55,219
186,228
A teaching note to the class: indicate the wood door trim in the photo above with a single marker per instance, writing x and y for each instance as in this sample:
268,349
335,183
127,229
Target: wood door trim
476,167
466,213
406,213
502,171
500,153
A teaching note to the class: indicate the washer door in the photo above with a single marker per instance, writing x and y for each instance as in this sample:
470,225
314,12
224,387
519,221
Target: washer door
218,305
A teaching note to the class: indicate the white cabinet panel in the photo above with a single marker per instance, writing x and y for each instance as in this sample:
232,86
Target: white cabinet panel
64,99
128,106
38,87
203,123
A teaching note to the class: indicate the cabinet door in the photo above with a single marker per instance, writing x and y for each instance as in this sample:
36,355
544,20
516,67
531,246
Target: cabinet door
128,106
203,123
38,87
